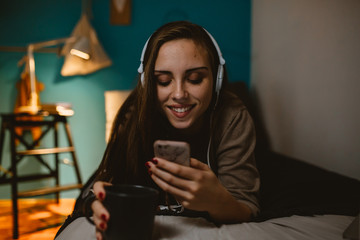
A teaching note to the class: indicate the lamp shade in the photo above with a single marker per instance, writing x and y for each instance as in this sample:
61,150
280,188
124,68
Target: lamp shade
73,65
81,48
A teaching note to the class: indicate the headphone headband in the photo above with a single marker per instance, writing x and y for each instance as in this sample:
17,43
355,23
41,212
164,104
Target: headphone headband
220,72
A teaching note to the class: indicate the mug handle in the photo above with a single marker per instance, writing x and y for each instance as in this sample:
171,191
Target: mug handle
87,207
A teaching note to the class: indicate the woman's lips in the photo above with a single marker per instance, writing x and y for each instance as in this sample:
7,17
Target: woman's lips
181,111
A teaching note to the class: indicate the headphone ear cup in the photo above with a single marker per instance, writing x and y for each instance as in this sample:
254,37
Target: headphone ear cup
141,71
219,78
142,79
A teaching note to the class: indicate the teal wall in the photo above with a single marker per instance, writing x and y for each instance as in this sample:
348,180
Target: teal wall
23,22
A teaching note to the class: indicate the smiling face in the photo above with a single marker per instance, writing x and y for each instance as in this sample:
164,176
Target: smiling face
184,82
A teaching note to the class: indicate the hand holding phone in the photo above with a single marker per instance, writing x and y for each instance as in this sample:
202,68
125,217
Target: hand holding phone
174,151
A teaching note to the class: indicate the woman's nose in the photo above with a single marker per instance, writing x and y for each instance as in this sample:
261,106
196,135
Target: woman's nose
180,91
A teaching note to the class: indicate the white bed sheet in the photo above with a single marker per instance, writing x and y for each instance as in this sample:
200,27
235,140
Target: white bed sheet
290,228
327,227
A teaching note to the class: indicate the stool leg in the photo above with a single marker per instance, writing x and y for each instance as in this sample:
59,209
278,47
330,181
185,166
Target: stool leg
15,210
14,180
2,135
57,162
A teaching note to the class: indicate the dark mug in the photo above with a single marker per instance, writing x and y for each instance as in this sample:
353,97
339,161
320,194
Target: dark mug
132,210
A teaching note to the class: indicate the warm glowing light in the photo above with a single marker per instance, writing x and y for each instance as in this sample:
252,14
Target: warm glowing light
39,215
79,54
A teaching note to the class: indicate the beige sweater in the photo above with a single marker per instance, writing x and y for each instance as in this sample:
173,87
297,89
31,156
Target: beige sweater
232,150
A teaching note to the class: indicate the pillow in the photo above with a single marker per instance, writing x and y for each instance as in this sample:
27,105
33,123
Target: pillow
292,187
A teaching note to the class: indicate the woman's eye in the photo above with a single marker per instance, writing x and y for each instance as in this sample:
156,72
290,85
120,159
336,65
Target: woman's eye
195,78
164,84
163,80
195,81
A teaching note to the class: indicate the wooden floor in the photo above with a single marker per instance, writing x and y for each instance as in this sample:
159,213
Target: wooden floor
39,219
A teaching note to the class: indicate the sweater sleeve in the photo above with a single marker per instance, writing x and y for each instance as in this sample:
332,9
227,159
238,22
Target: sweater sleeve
236,167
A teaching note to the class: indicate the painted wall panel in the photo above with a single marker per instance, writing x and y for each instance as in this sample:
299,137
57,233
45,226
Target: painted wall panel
306,75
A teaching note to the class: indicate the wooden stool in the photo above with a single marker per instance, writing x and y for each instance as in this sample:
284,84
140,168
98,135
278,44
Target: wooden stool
10,175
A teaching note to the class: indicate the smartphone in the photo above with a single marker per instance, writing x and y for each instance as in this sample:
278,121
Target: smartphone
174,151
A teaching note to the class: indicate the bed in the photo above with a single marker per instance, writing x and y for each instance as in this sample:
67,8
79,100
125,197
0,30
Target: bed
295,227
298,200
327,227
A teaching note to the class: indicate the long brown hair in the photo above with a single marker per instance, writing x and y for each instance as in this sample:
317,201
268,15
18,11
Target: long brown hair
130,144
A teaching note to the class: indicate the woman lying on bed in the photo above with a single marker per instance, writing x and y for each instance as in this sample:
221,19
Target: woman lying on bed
179,97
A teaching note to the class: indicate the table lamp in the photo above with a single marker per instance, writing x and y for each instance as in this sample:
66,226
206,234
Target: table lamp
83,55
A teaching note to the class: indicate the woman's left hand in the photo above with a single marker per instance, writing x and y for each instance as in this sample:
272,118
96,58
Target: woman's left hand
195,187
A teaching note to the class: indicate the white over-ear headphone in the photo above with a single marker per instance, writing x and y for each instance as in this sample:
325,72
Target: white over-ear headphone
220,72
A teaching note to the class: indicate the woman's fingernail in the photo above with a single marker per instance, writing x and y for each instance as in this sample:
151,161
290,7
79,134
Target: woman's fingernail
101,196
147,164
102,226
154,160
103,217
150,172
